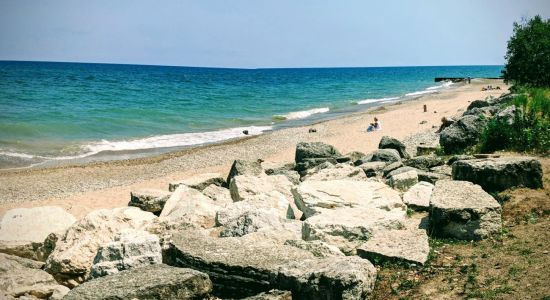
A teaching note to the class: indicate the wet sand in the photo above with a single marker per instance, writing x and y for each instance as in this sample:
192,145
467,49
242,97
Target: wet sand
83,188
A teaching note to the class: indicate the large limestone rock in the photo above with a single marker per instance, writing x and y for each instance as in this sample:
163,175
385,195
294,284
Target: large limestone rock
334,172
425,162
403,181
345,213
316,247
388,142
347,228
248,265
283,169
219,194
431,177
315,150
498,174
244,167
312,196
34,224
272,295
251,221
373,168
309,155
130,249
199,182
22,278
31,250
275,188
418,196
409,245
190,205
462,134
386,155
462,210
72,258
147,283
151,200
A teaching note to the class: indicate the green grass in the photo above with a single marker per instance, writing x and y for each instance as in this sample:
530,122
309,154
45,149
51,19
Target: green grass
530,130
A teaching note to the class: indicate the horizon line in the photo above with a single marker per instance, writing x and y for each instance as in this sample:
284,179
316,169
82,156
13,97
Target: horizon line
243,68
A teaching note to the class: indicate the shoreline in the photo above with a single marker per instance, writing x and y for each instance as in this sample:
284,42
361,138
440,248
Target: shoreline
23,160
84,187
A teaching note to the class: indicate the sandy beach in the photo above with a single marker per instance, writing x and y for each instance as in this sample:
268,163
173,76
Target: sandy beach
83,188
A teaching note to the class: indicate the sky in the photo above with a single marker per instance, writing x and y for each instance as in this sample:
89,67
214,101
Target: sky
263,33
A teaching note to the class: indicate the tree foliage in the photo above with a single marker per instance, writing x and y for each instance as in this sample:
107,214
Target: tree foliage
528,55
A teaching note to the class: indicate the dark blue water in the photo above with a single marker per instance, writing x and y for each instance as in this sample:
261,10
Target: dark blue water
61,110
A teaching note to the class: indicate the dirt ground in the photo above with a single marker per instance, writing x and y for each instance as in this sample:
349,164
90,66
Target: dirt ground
513,266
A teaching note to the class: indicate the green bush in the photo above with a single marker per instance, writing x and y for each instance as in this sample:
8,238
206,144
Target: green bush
528,54
530,131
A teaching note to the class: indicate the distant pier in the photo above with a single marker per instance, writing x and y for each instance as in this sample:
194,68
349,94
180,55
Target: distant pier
460,79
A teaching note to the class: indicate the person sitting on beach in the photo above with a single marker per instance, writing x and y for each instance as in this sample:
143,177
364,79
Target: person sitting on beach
374,126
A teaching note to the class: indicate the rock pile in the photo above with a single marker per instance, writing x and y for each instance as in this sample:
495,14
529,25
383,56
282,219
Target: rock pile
310,229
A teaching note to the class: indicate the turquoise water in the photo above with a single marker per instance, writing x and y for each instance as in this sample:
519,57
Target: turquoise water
66,110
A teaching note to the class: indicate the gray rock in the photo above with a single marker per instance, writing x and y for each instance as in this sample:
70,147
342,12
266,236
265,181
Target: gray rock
459,157
251,221
424,162
387,155
403,181
392,143
431,177
462,134
151,200
272,295
130,249
336,211
219,194
401,170
151,282
248,265
31,250
373,168
315,150
286,169
266,188
409,245
201,181
507,114
487,111
477,104
498,174
308,163
462,210
426,149
443,169
312,197
73,256
393,166
355,155
316,247
244,167
34,224
20,278
418,196
191,206
334,172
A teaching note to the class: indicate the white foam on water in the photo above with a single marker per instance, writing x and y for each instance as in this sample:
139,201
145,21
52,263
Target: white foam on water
161,141
366,101
445,84
176,140
421,93
303,113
